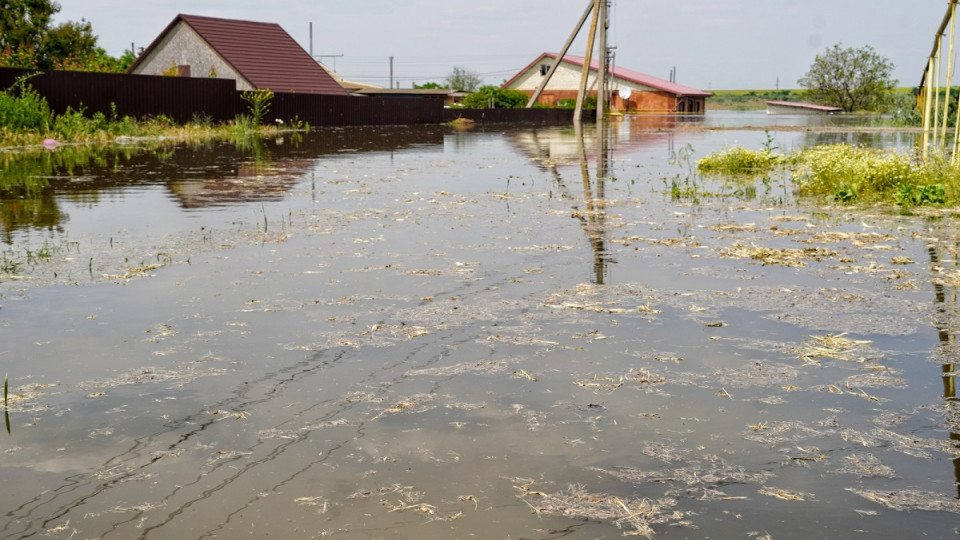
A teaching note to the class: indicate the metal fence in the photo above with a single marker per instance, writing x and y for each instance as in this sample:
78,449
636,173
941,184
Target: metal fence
184,99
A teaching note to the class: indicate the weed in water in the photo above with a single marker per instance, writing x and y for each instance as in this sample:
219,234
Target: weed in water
739,161
259,103
6,409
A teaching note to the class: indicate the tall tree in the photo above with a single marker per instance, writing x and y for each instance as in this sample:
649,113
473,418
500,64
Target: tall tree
29,40
25,22
68,42
463,79
854,79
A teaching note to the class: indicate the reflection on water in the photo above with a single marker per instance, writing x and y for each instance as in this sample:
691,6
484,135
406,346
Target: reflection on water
760,118
420,353
34,185
945,259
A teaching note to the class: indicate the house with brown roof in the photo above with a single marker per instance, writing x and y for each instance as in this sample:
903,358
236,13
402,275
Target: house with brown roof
630,90
257,55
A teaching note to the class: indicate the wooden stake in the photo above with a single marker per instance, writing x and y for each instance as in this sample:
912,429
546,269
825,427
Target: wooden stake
602,72
936,94
587,59
928,103
946,99
559,58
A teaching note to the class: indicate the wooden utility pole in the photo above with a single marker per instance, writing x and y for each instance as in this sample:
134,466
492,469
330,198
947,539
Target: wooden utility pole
936,92
559,58
946,99
602,72
928,103
587,59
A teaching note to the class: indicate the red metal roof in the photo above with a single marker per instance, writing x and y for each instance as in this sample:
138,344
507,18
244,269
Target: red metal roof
263,53
621,73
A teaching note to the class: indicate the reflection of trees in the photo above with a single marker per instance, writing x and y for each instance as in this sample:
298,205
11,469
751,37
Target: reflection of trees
26,197
945,321
34,182
20,213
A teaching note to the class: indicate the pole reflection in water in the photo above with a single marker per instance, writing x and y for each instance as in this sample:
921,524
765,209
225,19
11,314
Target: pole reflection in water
593,217
946,312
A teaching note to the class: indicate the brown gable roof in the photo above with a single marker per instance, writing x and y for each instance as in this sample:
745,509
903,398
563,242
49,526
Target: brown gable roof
262,52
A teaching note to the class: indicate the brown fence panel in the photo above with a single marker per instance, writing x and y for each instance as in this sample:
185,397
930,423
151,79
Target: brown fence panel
179,98
522,116
184,98
321,110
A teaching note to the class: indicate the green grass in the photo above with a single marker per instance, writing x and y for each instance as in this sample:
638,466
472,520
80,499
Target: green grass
849,174
749,100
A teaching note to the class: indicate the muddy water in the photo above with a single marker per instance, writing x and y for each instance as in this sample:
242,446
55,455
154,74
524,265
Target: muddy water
426,333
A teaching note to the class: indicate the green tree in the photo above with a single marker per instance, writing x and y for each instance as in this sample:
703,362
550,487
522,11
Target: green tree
69,44
494,97
463,79
428,86
28,40
25,22
853,79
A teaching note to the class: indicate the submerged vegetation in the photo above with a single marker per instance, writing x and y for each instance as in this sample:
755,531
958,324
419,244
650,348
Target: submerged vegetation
848,174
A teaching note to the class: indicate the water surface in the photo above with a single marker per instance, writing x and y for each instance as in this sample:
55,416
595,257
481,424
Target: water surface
430,333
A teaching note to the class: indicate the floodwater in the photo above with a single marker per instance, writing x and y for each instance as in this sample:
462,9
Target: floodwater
424,333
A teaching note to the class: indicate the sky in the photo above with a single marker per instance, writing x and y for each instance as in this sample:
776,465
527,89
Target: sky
713,45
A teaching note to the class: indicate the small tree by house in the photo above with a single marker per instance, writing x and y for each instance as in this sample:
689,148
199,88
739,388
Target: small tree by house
463,79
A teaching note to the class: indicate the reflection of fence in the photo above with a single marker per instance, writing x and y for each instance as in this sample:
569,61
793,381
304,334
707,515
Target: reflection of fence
181,98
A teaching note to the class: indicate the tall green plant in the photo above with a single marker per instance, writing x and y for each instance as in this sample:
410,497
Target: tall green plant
259,102
23,109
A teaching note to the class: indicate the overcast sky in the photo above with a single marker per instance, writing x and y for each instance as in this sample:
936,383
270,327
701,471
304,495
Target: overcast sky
715,44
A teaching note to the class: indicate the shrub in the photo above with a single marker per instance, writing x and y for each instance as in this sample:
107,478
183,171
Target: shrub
849,172
494,97
23,109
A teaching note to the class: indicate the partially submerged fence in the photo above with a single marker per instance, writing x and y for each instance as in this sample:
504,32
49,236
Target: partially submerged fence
184,98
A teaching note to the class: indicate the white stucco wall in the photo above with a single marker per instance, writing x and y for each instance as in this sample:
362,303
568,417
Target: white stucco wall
183,46
567,77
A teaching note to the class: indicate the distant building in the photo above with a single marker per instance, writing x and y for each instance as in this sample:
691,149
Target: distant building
795,107
631,91
348,85
257,55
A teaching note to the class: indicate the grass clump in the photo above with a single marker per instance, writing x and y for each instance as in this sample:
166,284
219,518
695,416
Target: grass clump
849,174
740,161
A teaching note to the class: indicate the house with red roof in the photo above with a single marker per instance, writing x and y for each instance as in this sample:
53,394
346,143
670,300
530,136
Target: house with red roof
631,91
257,55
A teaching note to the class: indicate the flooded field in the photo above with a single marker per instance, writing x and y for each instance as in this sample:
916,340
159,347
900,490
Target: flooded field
424,333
